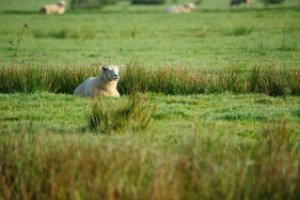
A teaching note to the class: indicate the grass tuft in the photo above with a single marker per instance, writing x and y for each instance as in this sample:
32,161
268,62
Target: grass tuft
117,115
64,34
288,45
59,34
238,31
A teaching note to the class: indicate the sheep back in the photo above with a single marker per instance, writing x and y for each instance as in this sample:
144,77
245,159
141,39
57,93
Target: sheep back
52,9
187,8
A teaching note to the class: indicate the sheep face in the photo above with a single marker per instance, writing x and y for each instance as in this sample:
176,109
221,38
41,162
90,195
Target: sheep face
111,73
190,6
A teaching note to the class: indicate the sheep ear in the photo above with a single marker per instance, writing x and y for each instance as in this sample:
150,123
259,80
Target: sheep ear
104,68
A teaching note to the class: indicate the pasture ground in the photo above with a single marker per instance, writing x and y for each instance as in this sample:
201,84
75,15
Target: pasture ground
222,145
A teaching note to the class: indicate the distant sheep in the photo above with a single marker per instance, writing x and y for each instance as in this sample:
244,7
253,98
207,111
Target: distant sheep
58,8
103,85
238,2
186,8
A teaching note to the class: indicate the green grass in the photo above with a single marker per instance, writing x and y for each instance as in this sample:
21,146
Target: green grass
204,39
224,83
224,109
249,144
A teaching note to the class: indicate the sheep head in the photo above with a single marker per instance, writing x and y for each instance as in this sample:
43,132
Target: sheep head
61,3
110,72
190,6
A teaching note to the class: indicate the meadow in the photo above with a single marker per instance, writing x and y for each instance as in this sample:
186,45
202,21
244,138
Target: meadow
210,105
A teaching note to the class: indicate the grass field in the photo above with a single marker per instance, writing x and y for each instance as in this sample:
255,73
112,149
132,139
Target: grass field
218,117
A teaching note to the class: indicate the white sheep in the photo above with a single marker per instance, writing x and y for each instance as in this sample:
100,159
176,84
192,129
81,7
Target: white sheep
103,85
186,8
58,8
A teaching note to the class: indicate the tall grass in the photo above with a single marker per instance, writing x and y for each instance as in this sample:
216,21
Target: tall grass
115,115
185,81
269,80
200,165
22,78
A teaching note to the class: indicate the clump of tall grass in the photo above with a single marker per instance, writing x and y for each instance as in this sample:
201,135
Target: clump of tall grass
184,81
64,33
66,79
288,45
275,163
115,115
26,78
238,31
274,82
20,79
58,34
269,80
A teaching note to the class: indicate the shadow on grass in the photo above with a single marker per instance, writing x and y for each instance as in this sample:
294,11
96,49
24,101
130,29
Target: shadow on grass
21,12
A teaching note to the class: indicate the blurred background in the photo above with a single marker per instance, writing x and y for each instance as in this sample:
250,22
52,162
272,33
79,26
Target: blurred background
125,5
214,35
